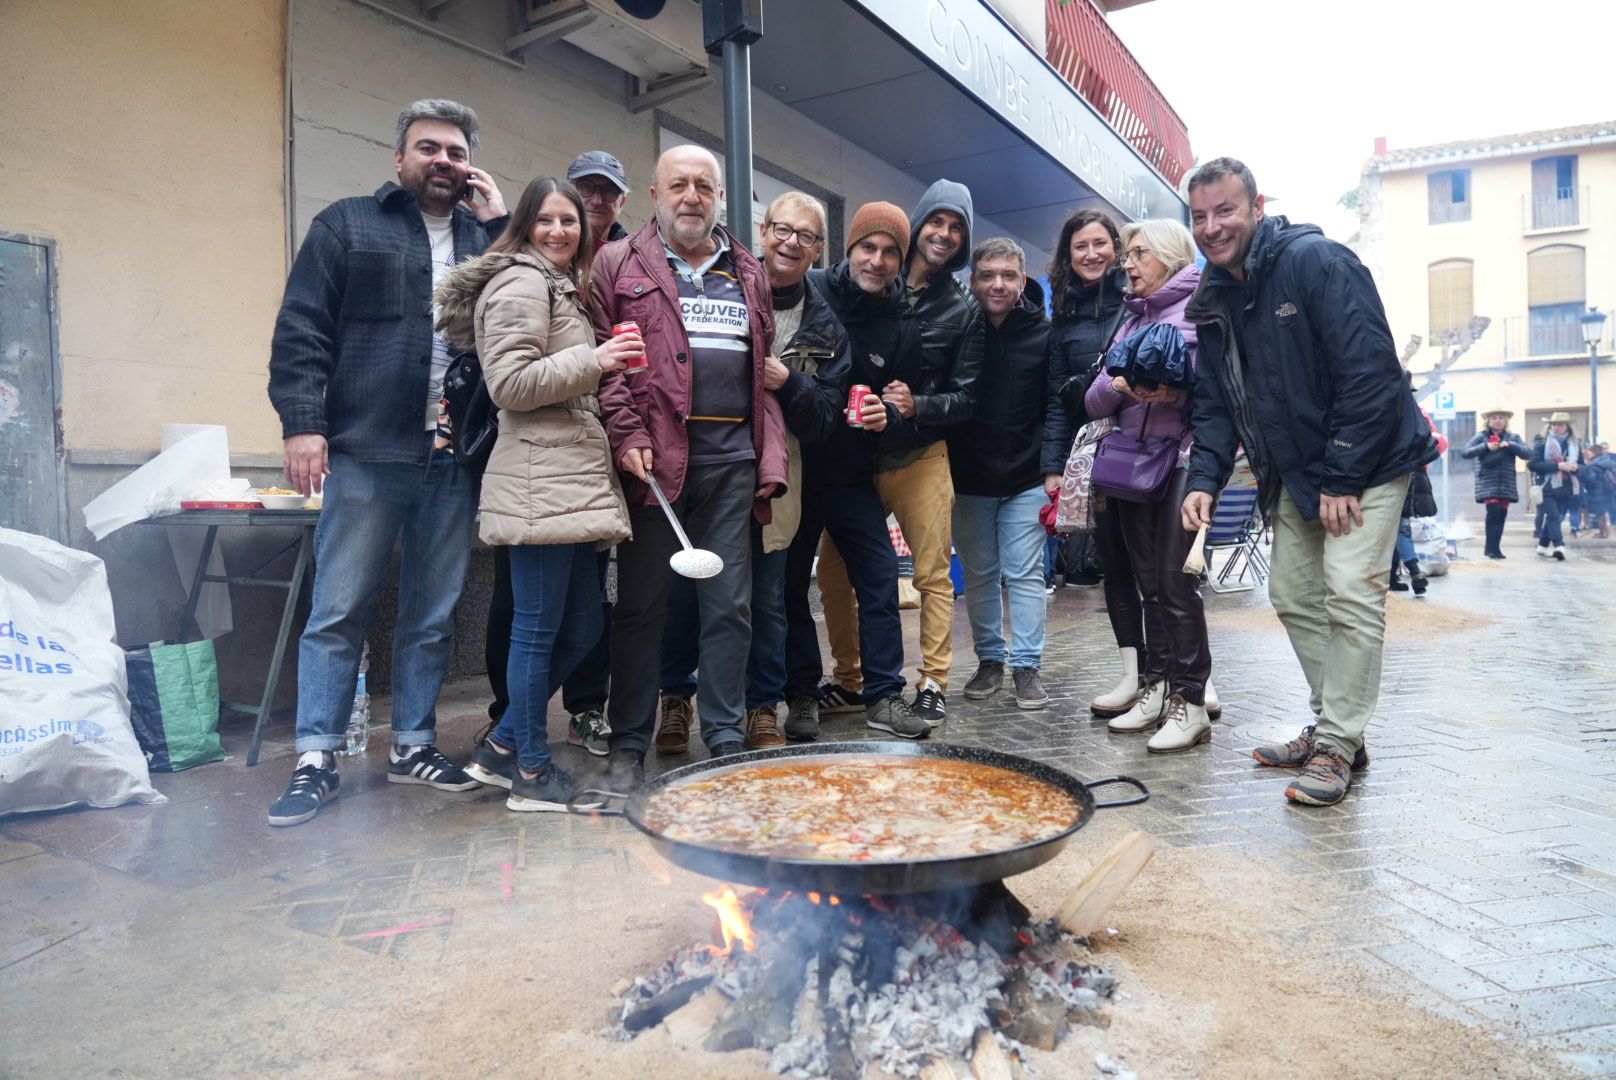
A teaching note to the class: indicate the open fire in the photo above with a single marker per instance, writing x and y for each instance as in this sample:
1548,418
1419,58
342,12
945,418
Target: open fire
914,985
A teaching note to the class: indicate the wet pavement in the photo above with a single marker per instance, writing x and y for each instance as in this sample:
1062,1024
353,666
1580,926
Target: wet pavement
1474,862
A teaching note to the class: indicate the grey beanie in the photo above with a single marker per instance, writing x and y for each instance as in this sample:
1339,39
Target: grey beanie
945,195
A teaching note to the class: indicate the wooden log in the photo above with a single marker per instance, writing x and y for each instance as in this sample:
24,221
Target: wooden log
938,1069
1084,910
690,1023
655,1009
988,1059
762,1016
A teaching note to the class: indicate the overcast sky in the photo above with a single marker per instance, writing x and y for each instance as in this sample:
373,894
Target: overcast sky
1299,89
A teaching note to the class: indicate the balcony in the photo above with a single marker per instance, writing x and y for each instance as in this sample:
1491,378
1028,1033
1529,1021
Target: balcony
1556,208
1088,54
1554,330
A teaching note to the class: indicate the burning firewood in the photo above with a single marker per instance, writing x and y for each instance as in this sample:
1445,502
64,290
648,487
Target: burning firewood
988,1059
1084,910
690,1024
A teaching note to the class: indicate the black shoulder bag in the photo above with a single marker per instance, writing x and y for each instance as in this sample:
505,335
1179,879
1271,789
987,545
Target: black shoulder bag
473,418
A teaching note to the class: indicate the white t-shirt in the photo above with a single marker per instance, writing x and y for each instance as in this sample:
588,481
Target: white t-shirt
440,230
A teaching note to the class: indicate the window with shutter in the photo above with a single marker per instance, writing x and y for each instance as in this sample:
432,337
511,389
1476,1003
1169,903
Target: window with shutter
1452,295
1555,292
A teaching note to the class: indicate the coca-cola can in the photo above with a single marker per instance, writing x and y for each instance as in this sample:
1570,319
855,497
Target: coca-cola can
855,404
643,361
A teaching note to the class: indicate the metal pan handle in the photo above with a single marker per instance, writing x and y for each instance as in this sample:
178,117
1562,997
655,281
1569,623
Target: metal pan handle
1144,792
600,806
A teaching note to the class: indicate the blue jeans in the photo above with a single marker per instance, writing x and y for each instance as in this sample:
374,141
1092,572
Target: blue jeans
1405,542
1003,539
1052,547
557,620
766,658
430,511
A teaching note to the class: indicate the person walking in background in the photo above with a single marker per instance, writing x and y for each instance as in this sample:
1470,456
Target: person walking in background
1087,288
998,485
1495,449
356,375
912,469
1556,458
1297,364
1159,259
699,420
550,493
1598,487
599,179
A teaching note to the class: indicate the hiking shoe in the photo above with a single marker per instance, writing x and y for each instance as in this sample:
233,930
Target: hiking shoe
1184,727
929,703
312,786
802,718
425,765
589,730
489,766
625,770
727,748
1146,713
835,698
896,716
763,728
987,680
1030,692
673,734
1294,754
548,790
1324,779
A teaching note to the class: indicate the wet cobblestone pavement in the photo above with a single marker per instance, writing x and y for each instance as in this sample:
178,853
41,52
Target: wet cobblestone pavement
1474,862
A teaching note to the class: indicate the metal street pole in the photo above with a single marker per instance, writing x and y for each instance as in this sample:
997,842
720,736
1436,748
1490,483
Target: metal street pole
1593,392
738,139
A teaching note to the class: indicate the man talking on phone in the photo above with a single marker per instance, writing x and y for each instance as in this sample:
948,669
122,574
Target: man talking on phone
356,374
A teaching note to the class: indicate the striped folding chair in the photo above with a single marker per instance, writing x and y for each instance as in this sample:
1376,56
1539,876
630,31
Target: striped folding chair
1236,527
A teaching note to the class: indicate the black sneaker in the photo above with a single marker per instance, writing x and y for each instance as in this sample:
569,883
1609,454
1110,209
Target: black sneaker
895,715
589,730
835,698
727,748
625,770
929,703
1084,581
489,766
425,765
802,718
311,787
549,790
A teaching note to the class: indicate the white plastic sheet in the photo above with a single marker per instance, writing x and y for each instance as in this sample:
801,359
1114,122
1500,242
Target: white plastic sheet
156,487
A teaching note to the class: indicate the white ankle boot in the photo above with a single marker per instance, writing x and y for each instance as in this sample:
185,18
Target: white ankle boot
1214,707
1146,712
1186,726
1120,699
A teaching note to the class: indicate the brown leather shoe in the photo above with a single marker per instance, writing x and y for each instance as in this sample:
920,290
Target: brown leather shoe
673,735
763,728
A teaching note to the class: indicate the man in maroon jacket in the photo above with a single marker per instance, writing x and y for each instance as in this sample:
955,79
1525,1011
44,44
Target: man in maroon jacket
699,419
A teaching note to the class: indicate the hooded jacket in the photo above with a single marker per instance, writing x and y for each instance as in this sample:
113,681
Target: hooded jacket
1076,348
550,479
1297,363
950,336
996,452
884,345
648,411
1495,469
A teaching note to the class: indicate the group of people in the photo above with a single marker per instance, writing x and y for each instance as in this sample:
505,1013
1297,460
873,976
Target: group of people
784,411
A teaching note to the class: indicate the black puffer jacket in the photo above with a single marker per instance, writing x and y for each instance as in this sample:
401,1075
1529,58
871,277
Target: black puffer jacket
997,451
1076,347
813,403
1297,363
1495,469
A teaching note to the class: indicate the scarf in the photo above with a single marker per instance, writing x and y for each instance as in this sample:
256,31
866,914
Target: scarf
1558,448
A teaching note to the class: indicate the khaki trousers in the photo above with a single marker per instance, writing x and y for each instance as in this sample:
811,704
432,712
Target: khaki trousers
1330,593
921,496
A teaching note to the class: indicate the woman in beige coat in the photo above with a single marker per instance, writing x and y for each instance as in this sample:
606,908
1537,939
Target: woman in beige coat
550,492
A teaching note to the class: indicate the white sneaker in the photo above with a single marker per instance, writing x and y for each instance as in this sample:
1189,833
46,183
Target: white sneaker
1186,727
1120,698
1559,552
1543,551
1146,713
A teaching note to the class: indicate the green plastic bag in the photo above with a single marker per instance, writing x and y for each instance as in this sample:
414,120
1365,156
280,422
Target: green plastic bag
174,704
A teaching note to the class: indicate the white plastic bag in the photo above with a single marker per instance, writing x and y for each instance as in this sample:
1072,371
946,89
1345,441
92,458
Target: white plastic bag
65,736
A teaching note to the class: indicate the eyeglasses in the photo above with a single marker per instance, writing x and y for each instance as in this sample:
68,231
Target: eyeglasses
587,190
1135,254
783,232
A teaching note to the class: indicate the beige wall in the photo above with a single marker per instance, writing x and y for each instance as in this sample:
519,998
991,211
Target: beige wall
1497,238
146,139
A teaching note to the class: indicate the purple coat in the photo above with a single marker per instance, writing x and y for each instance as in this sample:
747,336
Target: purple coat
1165,305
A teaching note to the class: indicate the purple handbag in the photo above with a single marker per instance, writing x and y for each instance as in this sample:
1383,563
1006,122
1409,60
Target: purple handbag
1136,468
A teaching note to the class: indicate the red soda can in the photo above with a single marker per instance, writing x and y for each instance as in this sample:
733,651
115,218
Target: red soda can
631,328
855,404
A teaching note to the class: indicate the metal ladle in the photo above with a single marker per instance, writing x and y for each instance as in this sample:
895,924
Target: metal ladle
691,562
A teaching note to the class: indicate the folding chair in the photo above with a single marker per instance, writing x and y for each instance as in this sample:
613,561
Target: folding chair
1237,526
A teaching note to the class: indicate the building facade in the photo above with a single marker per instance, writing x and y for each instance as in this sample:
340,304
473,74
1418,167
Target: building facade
1518,230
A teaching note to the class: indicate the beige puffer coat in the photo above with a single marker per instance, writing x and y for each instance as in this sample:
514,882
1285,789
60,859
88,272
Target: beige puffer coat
550,479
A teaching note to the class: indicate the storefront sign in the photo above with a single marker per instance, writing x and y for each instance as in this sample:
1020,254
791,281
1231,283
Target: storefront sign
969,44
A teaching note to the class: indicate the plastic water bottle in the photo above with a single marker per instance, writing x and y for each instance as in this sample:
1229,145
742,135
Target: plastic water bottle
358,735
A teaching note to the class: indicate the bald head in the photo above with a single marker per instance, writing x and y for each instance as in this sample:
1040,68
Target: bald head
685,192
